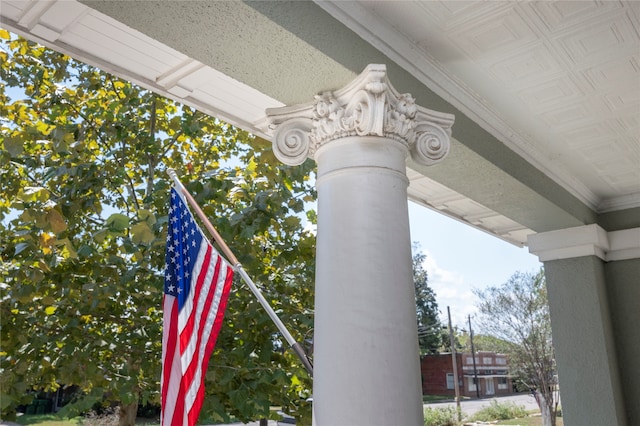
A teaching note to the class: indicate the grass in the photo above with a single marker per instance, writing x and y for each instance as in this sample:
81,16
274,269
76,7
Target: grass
436,398
528,421
47,420
55,420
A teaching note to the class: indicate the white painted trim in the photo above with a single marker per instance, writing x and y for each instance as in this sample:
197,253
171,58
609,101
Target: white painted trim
588,240
624,244
619,203
33,13
166,84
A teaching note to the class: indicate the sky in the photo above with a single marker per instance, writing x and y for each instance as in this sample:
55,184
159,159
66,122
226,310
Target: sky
461,258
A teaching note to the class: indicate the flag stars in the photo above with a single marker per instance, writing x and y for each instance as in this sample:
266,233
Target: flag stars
183,239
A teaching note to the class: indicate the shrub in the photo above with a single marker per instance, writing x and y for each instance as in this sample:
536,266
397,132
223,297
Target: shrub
500,411
447,416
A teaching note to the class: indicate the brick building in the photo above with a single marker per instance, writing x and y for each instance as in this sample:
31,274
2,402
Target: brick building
492,371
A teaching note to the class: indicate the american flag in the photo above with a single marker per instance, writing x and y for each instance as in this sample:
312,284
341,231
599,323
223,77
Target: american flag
196,289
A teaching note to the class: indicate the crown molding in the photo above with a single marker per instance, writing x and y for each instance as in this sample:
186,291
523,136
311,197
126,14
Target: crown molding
622,202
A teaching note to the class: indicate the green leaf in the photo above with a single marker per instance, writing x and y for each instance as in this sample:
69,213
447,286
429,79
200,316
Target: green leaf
68,251
56,221
33,193
117,222
141,233
13,146
147,215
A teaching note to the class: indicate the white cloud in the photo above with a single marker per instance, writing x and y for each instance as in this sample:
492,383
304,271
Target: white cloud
451,290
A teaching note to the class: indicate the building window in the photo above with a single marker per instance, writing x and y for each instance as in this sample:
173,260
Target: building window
501,361
502,383
472,384
486,360
469,360
450,381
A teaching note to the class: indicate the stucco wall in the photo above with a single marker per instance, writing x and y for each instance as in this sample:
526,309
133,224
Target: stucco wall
583,335
623,284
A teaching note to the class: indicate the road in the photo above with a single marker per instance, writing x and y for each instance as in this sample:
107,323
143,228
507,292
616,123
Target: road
472,406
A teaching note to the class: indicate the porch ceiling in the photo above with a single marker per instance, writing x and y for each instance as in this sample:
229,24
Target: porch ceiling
546,94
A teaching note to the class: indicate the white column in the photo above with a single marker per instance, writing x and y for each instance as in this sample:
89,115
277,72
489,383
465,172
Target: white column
366,360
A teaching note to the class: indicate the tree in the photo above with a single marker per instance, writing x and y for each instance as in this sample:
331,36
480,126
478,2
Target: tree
517,312
445,338
83,213
429,327
483,342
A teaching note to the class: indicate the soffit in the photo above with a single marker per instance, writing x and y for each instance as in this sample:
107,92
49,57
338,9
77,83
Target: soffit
558,82
97,39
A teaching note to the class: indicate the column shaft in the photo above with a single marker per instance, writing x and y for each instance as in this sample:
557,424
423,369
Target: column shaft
584,342
365,341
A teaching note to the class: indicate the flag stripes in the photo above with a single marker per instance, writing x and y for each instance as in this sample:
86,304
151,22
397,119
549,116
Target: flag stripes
197,285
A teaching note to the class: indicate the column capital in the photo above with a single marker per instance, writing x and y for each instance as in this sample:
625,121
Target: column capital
368,106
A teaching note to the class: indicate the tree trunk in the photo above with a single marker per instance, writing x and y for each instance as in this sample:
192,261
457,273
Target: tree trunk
128,414
546,410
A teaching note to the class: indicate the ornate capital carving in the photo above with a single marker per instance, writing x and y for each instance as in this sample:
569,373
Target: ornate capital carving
369,106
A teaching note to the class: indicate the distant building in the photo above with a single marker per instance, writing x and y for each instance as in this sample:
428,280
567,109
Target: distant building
492,370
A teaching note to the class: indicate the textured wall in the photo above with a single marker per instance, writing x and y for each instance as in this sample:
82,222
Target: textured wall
623,284
583,337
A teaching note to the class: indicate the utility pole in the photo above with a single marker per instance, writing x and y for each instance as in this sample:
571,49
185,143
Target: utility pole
473,355
456,386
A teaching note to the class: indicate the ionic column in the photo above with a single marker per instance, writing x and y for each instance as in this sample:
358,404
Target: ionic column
366,360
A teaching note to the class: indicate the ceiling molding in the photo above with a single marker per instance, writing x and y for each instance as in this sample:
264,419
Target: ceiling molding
619,203
401,50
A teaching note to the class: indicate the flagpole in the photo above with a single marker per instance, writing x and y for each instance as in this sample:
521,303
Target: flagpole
297,348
